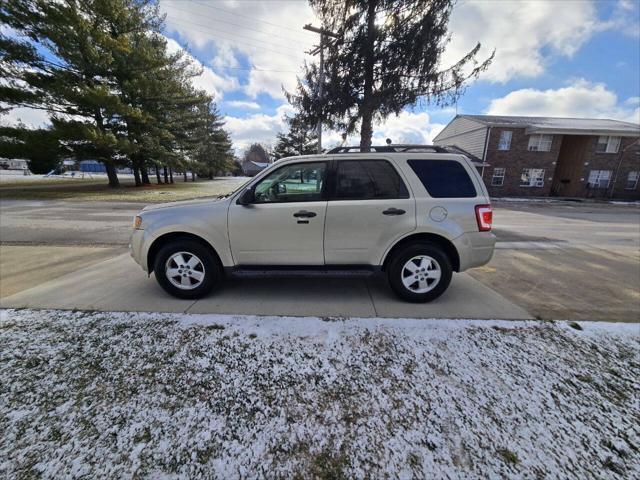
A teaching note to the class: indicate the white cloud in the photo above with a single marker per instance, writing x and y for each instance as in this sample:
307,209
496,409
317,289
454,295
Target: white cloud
225,58
526,34
523,33
243,104
268,34
257,127
271,83
208,80
408,127
625,18
579,99
30,117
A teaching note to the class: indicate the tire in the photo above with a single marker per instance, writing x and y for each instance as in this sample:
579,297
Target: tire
196,268
427,286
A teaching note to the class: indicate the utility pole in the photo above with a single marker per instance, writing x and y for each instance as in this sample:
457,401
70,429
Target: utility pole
320,49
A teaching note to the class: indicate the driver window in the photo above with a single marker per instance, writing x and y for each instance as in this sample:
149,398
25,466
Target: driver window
298,182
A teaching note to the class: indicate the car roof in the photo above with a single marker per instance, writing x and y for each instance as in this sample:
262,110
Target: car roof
355,155
393,148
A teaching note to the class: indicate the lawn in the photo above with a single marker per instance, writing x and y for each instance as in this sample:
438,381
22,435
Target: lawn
133,395
94,190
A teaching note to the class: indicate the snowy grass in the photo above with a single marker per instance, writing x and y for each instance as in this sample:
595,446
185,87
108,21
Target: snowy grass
115,395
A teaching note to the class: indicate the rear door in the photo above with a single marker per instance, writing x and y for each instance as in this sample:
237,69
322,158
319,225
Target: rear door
369,207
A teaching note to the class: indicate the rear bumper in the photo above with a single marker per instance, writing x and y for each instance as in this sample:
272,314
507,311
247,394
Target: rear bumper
475,249
136,249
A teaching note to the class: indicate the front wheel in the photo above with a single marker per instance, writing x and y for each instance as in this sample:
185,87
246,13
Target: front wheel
420,272
186,269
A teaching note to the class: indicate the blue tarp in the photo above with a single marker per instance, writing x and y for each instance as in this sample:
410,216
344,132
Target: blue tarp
92,166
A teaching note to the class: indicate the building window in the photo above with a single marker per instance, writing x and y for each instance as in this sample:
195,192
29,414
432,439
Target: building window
505,140
632,180
540,143
608,144
498,177
599,178
532,177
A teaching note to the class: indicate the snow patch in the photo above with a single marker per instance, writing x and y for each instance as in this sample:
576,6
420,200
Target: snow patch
123,395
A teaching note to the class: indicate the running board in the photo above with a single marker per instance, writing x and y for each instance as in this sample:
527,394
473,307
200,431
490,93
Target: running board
301,272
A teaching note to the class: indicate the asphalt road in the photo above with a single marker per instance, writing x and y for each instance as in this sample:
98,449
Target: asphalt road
47,222
554,260
567,260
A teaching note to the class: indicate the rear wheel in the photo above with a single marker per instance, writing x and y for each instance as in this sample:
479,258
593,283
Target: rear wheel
186,269
420,272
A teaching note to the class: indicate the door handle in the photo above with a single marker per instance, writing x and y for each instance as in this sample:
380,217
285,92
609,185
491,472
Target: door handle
304,214
394,211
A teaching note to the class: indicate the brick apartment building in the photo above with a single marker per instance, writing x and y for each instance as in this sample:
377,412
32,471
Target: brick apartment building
546,156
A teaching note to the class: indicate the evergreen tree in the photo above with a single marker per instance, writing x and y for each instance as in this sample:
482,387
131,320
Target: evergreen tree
300,140
256,153
162,135
101,69
69,69
40,147
387,56
214,152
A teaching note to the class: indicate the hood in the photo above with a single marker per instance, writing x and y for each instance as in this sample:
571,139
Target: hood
182,203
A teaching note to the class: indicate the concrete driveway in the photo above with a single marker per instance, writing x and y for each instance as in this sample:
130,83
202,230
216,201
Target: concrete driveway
119,284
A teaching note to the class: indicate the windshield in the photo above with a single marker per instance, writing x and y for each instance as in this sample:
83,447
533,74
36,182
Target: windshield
244,185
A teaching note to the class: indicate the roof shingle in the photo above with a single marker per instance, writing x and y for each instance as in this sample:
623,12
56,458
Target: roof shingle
557,123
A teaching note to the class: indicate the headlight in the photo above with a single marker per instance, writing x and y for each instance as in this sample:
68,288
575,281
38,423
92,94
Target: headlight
137,222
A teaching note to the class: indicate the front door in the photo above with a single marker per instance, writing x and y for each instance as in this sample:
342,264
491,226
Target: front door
368,209
285,223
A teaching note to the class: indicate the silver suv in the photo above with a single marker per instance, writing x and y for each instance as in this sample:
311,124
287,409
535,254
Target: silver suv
415,213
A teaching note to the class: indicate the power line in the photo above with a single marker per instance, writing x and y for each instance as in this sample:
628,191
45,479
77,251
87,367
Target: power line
217,30
254,1
241,15
258,69
289,39
233,40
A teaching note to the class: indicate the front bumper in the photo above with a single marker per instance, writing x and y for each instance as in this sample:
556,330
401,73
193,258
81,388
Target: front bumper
136,248
475,249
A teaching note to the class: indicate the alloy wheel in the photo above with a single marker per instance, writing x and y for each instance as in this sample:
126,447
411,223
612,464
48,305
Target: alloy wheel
421,274
184,270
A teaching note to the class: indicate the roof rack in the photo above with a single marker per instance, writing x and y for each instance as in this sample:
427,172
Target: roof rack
392,148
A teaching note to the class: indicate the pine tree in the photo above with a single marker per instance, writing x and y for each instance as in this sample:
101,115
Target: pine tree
164,105
214,152
387,56
69,71
101,69
40,147
256,153
299,140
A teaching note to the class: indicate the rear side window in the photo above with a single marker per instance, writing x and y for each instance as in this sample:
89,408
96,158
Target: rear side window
444,178
368,179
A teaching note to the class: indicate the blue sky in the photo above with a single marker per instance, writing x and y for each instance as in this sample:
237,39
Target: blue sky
553,57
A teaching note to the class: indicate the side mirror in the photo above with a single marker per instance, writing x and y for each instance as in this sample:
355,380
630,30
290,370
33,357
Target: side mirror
247,197
281,188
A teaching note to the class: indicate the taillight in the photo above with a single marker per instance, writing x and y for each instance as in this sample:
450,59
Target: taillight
484,216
